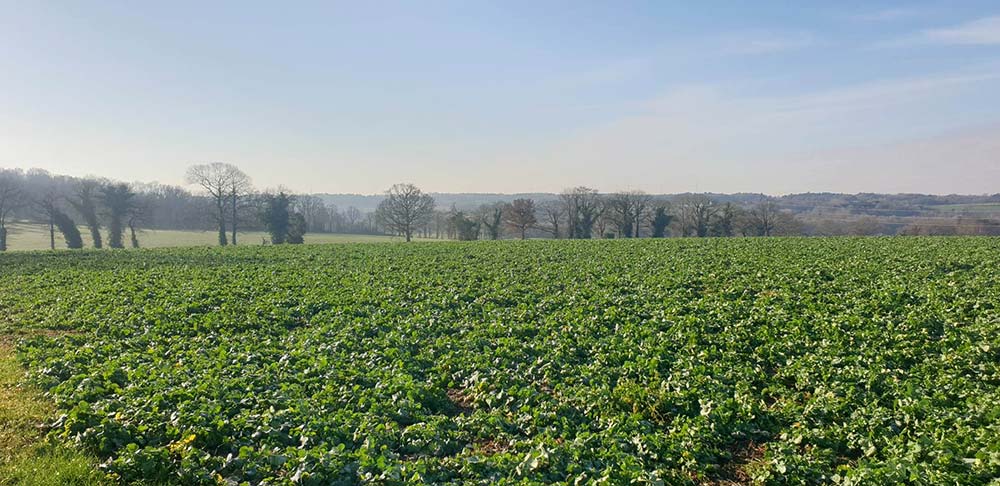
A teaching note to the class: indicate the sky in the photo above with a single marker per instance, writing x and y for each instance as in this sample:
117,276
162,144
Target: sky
513,96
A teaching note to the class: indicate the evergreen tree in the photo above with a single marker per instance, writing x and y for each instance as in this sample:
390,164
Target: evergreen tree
296,229
275,216
661,219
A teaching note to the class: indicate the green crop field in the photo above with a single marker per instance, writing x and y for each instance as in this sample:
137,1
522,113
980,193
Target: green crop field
705,362
33,236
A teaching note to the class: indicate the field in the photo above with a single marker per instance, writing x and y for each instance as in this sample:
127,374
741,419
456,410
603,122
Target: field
706,362
30,236
984,209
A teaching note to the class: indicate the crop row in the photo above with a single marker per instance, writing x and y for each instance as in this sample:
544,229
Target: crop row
777,361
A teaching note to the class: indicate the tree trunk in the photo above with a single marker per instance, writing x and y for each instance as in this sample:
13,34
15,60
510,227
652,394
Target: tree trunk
233,240
52,234
523,231
115,233
135,240
3,239
95,234
408,232
222,225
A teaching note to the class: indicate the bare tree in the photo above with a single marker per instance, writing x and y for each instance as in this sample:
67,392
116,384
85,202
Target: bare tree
696,212
604,221
451,222
353,216
225,184
465,229
762,218
491,216
643,205
520,215
404,208
627,210
442,226
767,219
552,213
582,206
725,221
138,214
240,188
313,209
11,198
47,205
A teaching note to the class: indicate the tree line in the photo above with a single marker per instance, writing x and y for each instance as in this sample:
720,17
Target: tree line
225,201
232,194
101,205
114,214
581,213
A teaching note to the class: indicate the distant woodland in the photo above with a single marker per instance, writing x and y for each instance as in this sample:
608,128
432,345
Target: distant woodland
220,197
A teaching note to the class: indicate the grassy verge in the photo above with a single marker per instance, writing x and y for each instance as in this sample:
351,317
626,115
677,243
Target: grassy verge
33,236
26,456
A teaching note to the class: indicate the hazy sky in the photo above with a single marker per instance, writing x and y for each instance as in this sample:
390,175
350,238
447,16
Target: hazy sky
510,96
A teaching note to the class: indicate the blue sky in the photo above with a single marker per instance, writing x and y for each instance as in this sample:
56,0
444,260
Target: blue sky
510,96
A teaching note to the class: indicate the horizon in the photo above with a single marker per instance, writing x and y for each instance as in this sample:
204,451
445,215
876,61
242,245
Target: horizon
519,97
194,188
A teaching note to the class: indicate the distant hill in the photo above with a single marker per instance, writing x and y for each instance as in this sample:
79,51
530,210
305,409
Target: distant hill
462,201
871,204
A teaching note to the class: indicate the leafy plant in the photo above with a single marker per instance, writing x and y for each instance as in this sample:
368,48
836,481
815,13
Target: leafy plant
770,361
